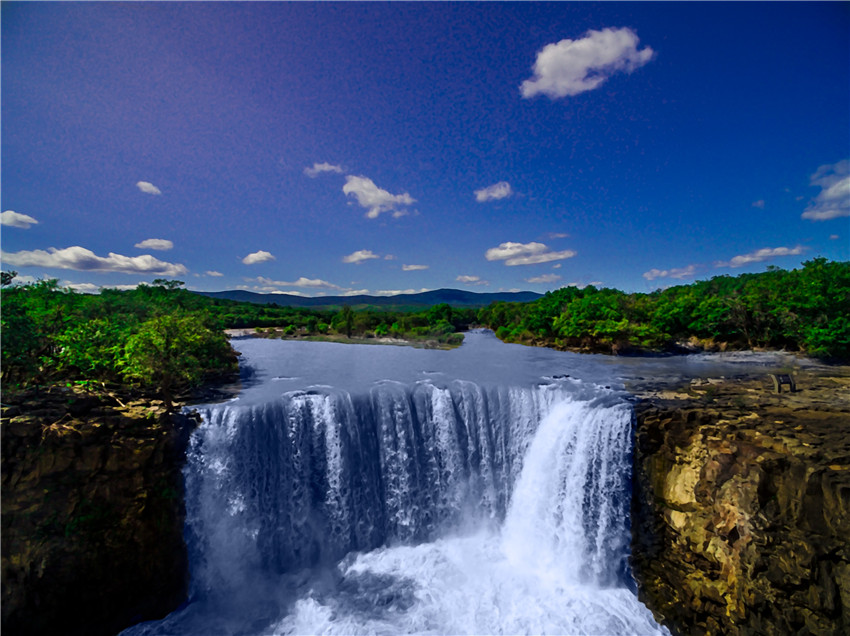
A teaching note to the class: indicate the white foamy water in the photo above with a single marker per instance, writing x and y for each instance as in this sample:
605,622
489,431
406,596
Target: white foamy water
410,505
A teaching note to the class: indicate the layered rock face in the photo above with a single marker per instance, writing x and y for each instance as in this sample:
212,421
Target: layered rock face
741,509
92,514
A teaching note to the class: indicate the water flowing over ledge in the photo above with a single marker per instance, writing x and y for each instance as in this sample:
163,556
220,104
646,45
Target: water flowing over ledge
438,501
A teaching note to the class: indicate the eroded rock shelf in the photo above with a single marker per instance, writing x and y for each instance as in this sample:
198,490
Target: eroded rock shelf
741,509
92,514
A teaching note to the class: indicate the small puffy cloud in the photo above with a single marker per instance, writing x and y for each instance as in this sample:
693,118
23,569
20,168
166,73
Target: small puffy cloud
319,168
676,272
471,280
375,199
759,204
389,257
356,292
11,218
545,278
556,266
82,259
155,244
148,188
570,67
91,288
834,237
501,190
300,282
413,268
557,235
761,255
525,254
213,273
260,256
834,199
396,292
359,256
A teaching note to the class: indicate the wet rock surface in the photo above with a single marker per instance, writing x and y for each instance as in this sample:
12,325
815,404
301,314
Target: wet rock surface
92,513
741,504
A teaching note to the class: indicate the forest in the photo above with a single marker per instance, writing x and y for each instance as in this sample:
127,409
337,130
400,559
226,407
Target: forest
806,309
162,338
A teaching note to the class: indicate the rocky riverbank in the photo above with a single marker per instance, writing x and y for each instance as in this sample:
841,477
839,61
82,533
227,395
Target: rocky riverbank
92,513
741,506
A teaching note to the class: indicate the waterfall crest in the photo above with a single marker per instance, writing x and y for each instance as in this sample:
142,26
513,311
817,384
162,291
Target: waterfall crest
411,507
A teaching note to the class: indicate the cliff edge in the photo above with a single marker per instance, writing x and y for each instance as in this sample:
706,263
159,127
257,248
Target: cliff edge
741,505
92,513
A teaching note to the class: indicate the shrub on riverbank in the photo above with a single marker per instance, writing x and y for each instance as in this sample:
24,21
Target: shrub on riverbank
805,309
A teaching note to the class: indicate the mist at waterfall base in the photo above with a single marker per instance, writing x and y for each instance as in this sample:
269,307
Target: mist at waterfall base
357,489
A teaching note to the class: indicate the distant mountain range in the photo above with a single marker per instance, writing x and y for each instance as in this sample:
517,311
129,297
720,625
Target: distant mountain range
454,297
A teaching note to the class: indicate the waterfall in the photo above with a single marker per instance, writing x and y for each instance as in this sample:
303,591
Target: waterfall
411,507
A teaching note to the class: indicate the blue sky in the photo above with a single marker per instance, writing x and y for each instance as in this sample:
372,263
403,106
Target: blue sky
326,149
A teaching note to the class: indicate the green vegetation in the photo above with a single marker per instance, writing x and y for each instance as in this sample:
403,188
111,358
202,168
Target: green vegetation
158,338
162,338
807,310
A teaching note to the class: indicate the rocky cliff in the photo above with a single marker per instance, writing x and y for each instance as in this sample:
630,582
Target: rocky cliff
741,506
92,514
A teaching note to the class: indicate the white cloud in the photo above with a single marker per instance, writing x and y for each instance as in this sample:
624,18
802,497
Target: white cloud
356,292
375,199
413,268
91,288
571,67
558,235
389,257
260,256
210,272
834,237
396,292
15,219
319,168
25,279
300,282
148,188
500,190
359,256
834,199
155,244
556,266
79,258
759,204
676,272
525,254
578,285
545,278
761,255
471,280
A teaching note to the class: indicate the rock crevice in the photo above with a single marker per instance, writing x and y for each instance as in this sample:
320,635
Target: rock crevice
92,514
741,507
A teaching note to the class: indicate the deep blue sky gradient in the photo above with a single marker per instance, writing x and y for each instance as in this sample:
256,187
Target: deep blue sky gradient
702,154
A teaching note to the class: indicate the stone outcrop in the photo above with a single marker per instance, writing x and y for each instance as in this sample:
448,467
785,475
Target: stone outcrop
92,514
741,506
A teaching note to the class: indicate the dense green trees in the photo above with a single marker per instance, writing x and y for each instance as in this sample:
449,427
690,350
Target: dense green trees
163,337
805,309
157,337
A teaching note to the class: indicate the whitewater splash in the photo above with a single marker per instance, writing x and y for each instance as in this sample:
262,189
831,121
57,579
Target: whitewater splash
425,508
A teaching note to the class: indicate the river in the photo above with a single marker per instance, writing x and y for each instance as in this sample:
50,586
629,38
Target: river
357,489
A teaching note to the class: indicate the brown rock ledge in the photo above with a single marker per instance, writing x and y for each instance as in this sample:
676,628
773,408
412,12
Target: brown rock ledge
92,513
741,505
